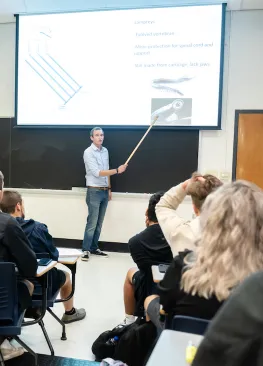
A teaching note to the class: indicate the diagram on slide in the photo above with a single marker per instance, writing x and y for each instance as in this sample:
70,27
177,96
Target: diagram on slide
172,112
48,69
170,85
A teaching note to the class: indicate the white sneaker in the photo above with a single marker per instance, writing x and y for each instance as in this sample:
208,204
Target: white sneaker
127,321
85,256
9,351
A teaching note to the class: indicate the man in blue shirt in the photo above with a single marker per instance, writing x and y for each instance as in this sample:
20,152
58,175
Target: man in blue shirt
96,160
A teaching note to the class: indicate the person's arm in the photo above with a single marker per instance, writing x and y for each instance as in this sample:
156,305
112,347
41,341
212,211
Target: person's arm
20,249
91,164
109,192
167,206
133,248
47,241
175,229
107,173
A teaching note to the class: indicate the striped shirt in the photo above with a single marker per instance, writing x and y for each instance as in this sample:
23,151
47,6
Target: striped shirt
95,160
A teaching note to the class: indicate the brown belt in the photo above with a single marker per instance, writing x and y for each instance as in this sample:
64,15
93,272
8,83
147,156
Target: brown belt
101,188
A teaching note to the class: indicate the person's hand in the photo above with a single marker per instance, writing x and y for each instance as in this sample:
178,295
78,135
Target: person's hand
193,179
200,179
122,168
110,195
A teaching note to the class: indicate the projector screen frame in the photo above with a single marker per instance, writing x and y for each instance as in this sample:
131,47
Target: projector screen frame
126,127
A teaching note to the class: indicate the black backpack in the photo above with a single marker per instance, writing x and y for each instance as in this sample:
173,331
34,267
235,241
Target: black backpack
135,343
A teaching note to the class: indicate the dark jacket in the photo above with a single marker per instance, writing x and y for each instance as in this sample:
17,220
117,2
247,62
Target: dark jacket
235,336
15,247
176,301
148,248
39,237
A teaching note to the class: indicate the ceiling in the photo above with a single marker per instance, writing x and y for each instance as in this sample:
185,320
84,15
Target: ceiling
10,7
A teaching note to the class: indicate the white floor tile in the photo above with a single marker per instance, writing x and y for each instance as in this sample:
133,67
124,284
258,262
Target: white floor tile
99,289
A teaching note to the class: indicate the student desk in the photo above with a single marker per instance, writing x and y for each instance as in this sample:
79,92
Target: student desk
42,271
69,258
157,275
170,349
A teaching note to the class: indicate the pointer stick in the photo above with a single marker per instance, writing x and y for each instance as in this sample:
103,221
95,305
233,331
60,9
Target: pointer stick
139,143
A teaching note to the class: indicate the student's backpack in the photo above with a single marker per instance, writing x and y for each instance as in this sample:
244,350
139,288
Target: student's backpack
135,342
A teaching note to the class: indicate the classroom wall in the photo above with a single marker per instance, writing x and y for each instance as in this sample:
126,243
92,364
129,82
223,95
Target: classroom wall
65,212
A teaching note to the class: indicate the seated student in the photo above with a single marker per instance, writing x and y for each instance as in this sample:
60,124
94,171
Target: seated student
235,336
14,247
230,248
42,242
180,233
147,248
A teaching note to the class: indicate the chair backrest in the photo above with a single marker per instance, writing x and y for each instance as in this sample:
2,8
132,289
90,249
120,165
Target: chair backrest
8,293
188,324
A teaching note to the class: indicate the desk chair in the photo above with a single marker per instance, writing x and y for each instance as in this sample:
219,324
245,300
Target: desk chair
37,303
51,300
189,324
11,316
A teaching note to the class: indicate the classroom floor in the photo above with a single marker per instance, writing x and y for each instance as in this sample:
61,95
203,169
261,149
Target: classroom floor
99,289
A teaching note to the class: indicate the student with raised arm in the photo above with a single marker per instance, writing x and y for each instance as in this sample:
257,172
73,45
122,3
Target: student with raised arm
229,249
181,234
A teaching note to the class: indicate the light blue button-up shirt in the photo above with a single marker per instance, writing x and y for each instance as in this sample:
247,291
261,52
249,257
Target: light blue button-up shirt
95,160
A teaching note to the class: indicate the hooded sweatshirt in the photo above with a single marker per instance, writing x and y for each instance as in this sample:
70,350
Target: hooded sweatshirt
39,237
14,247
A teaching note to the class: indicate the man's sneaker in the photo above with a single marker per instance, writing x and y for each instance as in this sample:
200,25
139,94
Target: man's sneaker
99,253
9,351
85,256
78,315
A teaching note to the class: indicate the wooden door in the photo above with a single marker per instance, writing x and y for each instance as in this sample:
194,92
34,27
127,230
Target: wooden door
249,147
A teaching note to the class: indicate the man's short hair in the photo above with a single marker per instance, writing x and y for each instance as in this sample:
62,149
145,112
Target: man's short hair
9,201
1,180
95,129
155,198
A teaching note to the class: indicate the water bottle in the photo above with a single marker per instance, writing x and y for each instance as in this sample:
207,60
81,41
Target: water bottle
112,341
190,353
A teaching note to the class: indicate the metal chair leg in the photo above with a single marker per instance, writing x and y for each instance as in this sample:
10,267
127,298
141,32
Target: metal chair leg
28,349
64,336
41,323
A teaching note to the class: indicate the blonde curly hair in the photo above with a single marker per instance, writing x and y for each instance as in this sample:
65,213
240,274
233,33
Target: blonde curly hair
231,244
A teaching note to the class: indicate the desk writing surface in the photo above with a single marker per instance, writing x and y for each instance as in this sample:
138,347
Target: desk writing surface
68,260
44,269
157,275
68,255
68,252
170,349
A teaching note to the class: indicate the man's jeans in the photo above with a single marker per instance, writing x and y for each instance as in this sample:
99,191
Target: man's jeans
97,202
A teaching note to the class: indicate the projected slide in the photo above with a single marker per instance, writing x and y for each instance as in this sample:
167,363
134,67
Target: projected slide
120,67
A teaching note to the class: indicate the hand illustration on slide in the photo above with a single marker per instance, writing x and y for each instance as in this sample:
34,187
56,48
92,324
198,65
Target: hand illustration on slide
168,84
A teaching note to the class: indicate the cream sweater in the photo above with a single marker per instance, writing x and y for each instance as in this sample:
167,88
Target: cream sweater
179,233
